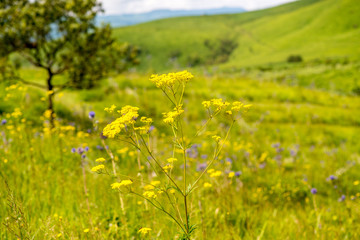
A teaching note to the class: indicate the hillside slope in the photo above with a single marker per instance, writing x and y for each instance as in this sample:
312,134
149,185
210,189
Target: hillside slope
310,28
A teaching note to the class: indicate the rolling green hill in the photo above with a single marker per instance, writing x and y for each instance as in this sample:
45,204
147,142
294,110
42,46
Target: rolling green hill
311,28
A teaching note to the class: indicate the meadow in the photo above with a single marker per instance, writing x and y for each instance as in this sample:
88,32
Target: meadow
289,168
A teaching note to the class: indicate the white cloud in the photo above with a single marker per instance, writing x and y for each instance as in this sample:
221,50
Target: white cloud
138,6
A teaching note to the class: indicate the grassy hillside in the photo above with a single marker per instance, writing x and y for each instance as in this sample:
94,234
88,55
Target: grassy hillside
313,29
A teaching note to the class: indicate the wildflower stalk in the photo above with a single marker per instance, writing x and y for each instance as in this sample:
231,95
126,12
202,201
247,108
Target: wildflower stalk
216,154
111,155
161,209
86,191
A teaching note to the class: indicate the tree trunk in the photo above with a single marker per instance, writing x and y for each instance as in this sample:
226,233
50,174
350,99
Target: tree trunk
50,97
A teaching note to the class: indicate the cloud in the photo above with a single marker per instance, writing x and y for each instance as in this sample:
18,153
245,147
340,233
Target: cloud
138,6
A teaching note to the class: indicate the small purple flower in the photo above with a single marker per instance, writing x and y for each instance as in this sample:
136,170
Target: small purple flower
91,114
87,149
80,150
293,153
88,131
201,167
228,160
332,177
262,165
276,145
342,198
204,156
73,150
83,156
99,147
151,128
314,191
238,173
3,122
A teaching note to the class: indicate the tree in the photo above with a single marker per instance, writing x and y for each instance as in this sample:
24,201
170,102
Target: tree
61,37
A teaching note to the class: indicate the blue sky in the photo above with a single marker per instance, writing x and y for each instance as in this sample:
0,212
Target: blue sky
138,6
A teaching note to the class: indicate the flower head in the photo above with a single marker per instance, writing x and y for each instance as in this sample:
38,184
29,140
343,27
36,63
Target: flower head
144,230
120,184
91,114
98,168
314,191
100,160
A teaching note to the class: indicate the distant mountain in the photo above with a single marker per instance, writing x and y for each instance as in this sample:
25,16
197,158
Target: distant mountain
131,19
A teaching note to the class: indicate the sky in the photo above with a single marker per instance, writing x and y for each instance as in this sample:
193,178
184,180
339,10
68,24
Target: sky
139,6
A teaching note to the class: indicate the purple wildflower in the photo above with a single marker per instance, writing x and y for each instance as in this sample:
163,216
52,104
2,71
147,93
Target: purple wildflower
91,114
83,156
276,145
80,150
73,150
342,198
151,128
87,149
238,173
99,147
314,191
3,122
332,177
201,167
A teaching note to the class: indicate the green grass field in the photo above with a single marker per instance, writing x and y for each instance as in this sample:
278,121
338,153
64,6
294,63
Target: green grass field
302,128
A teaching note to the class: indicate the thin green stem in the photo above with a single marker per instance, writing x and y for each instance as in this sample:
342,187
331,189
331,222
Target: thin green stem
215,157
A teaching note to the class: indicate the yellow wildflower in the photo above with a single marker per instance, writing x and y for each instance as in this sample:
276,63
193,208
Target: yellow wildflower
100,160
120,184
216,138
98,168
86,230
231,174
110,109
129,116
149,187
215,174
170,79
144,230
155,183
207,185
149,194
171,160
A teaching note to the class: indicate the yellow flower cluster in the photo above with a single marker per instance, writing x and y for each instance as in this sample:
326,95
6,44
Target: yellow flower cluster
98,168
167,168
168,80
129,115
146,120
218,103
216,138
237,106
117,185
110,109
17,113
171,160
67,128
150,194
144,230
207,185
215,174
100,160
170,117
